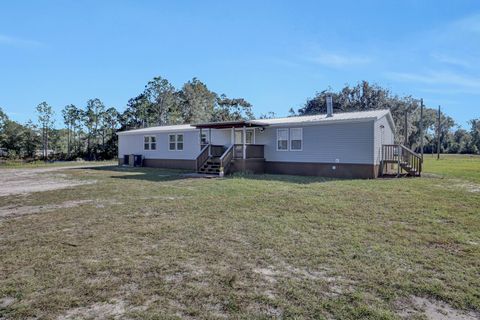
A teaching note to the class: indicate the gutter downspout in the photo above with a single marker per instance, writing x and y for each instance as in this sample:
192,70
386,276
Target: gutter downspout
244,142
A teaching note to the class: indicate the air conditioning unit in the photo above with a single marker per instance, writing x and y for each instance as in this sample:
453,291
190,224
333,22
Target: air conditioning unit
137,160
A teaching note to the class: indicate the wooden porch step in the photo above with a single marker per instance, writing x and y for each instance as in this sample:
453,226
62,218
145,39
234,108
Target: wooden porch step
210,168
408,162
209,171
213,164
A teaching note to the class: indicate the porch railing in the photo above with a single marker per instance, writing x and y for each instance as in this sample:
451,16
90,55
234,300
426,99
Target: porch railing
226,159
405,159
217,150
203,156
251,151
390,152
411,160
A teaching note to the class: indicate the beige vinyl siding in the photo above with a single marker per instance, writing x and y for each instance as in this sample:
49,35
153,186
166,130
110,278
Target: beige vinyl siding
348,142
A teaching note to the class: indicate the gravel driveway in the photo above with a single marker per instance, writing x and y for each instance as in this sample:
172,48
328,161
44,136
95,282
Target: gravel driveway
23,181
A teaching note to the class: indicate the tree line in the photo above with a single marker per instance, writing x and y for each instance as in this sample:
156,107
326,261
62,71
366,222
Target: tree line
365,96
89,132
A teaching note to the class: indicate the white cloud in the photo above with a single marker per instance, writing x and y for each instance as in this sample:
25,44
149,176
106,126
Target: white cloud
18,42
336,60
453,80
469,24
451,60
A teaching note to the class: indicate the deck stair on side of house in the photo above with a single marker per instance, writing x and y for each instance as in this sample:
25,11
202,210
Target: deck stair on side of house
398,160
211,166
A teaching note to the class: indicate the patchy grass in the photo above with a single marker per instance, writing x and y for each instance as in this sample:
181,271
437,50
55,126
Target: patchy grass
148,244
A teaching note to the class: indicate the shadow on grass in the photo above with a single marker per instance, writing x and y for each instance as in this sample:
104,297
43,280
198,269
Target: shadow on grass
160,174
283,178
143,173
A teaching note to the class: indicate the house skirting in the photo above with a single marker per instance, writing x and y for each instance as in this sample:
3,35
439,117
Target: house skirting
248,165
333,170
341,170
171,163
167,163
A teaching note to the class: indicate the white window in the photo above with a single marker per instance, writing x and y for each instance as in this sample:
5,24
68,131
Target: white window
179,141
203,139
175,142
296,139
282,139
149,143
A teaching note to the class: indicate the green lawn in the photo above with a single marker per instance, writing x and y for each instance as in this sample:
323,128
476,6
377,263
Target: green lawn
149,244
455,166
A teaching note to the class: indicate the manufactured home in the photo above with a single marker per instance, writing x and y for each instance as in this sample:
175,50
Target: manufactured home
344,145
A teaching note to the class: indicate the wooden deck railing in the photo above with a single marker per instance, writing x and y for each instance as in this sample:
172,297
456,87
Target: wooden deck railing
203,156
411,160
405,158
226,159
255,151
252,151
390,152
226,155
217,150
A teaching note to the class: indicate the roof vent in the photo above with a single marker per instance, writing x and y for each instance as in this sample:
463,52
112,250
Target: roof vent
329,106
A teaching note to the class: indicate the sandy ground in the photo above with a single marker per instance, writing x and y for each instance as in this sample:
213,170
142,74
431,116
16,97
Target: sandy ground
18,211
24,181
432,309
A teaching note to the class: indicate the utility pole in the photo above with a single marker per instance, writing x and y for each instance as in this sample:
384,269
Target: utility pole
405,139
421,127
438,134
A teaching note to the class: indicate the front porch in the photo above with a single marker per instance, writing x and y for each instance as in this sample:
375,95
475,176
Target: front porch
240,154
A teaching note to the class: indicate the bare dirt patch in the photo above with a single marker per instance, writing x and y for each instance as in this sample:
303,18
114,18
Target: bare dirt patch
24,181
18,211
189,271
432,310
106,203
268,274
115,309
462,185
15,211
266,310
336,284
6,301
470,187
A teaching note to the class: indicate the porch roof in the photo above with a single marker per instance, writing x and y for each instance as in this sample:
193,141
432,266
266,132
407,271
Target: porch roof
230,124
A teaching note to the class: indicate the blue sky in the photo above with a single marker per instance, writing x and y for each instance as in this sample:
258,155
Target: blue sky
275,54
